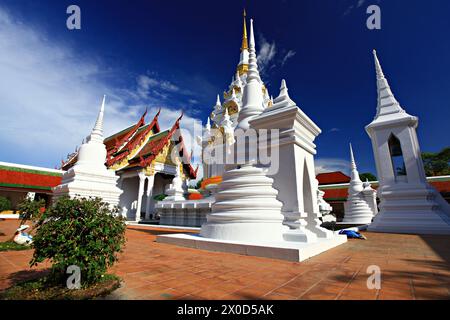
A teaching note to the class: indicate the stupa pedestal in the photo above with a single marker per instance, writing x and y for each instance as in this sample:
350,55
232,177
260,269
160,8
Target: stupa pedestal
89,177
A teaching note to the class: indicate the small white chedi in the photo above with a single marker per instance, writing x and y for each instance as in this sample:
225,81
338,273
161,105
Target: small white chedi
89,177
175,191
358,208
247,216
408,203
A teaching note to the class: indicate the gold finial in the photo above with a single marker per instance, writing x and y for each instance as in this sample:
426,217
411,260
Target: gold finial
244,36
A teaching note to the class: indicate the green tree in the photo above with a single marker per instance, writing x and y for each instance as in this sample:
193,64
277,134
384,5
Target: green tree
81,232
437,164
5,204
199,184
367,176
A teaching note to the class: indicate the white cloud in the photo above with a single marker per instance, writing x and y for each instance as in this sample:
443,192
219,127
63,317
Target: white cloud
266,54
356,5
269,56
288,55
148,86
360,3
331,164
334,130
49,96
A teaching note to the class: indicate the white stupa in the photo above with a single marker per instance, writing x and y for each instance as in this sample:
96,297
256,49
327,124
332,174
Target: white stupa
175,191
89,177
246,208
357,208
408,203
247,216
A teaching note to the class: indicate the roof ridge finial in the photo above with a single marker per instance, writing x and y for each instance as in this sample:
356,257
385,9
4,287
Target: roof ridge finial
233,94
218,103
244,33
283,99
284,89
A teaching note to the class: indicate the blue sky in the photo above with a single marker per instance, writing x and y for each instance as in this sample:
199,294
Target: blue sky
180,54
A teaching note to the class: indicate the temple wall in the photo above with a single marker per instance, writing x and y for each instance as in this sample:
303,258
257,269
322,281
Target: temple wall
128,199
189,213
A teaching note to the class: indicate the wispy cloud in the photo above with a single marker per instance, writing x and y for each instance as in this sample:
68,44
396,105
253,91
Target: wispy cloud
49,96
266,54
356,5
288,55
360,3
270,56
334,130
331,164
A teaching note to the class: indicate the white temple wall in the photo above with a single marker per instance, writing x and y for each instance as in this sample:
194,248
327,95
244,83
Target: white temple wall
128,199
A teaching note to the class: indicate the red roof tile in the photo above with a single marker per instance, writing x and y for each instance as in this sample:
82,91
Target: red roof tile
31,179
332,178
341,192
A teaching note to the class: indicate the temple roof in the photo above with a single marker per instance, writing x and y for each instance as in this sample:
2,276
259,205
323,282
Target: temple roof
340,192
332,178
147,140
27,178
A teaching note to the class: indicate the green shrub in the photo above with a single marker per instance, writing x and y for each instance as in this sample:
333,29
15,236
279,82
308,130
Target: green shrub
81,232
160,197
31,210
5,204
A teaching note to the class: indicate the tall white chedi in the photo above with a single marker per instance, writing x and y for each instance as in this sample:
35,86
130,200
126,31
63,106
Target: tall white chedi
246,208
357,208
89,177
295,180
408,203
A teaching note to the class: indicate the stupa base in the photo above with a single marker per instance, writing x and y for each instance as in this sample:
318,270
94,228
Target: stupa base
284,250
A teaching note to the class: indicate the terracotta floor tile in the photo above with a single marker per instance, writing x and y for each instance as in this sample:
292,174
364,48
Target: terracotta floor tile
412,267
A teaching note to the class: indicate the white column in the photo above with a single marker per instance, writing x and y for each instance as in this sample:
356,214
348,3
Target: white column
149,191
140,194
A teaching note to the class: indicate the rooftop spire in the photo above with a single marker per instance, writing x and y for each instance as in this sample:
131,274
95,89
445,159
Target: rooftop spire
97,132
252,100
218,103
380,74
352,158
387,104
233,94
238,79
244,33
283,99
253,73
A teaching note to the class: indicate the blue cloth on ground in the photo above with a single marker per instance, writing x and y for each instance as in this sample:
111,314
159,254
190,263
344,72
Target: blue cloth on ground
351,234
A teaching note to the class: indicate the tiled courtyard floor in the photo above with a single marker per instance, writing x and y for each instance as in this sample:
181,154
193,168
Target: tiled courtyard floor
413,267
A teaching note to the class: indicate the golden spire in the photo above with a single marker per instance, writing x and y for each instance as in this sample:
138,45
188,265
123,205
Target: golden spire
244,35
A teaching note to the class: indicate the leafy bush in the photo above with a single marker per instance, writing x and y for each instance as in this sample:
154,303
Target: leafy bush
81,232
31,210
160,197
5,204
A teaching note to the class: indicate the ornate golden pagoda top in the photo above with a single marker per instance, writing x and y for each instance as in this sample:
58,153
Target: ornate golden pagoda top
244,35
